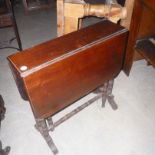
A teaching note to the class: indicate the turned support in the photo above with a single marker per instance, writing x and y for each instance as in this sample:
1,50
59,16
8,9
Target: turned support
42,127
107,94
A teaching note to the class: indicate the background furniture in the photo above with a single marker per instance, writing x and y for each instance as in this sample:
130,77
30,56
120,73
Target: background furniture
7,19
6,150
129,4
71,12
142,26
30,5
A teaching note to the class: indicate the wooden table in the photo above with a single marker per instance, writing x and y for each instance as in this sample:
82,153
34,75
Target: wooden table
55,74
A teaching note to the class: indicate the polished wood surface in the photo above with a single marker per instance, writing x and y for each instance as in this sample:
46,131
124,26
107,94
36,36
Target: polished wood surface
56,73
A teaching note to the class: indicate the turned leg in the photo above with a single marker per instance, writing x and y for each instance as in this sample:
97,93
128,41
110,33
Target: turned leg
110,97
104,93
107,94
50,124
43,129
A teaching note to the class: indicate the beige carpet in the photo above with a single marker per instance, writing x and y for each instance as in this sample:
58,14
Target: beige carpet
95,131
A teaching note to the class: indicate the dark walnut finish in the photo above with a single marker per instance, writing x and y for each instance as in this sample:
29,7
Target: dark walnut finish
142,25
146,47
53,75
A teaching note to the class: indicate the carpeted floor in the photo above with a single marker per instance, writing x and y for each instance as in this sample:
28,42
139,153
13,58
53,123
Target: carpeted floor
95,131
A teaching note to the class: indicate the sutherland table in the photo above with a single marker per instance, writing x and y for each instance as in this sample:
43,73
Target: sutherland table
55,74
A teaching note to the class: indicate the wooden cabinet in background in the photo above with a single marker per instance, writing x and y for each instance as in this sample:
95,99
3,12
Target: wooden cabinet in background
142,26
